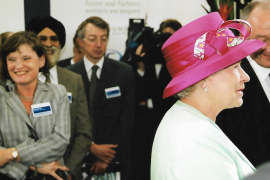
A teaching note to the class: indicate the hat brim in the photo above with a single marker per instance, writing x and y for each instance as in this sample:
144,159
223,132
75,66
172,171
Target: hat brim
211,65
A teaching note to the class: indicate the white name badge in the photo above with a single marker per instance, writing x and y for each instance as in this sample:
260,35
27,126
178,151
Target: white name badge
42,109
112,92
69,96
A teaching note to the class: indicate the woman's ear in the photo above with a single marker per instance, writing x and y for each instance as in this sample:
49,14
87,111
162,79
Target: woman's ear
42,61
203,84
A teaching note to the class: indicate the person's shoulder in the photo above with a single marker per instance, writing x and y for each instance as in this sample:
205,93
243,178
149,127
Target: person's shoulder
54,87
67,59
68,72
119,66
64,62
75,66
57,91
118,63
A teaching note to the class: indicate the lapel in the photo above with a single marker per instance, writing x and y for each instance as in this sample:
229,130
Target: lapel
106,77
14,102
81,70
42,95
238,152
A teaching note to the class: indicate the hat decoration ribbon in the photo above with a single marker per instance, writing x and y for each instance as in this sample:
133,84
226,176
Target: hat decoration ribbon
223,38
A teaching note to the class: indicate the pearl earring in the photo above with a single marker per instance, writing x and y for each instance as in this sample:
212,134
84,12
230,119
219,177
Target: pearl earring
205,89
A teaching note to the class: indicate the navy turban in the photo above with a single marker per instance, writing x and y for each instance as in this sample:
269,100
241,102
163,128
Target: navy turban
39,23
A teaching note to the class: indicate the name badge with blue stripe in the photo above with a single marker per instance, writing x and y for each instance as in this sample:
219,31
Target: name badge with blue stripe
112,92
42,109
69,96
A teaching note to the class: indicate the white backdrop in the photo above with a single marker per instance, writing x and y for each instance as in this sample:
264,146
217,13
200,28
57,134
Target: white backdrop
116,12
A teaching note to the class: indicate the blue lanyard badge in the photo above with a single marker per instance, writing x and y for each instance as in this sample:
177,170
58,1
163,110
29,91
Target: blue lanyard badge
112,92
42,109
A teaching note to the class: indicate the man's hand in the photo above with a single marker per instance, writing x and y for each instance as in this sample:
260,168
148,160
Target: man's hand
50,168
104,152
99,167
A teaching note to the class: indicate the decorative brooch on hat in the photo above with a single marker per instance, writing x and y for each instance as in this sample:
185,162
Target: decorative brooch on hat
223,38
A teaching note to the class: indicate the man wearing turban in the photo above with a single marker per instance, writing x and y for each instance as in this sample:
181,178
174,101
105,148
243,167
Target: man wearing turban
51,33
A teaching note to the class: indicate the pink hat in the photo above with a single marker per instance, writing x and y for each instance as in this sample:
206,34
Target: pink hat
203,47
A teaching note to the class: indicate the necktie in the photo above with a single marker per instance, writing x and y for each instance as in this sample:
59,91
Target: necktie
48,79
93,83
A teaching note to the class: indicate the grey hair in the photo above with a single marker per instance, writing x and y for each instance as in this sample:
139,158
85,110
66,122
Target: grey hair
189,90
262,4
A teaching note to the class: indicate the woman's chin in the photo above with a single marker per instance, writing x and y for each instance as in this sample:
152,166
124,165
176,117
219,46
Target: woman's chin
239,103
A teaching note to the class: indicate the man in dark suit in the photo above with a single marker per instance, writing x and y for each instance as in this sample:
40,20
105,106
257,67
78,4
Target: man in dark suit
51,32
78,54
248,126
112,103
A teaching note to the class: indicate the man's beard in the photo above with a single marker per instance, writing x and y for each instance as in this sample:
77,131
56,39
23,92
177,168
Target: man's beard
53,58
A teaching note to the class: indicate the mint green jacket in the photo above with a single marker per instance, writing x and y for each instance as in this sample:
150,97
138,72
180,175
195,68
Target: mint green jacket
190,146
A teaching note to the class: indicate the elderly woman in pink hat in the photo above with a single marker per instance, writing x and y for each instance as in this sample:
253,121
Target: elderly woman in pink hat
203,59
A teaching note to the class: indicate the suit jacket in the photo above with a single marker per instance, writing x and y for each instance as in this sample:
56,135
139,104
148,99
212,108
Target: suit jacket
53,130
161,106
248,126
190,146
113,117
64,63
81,132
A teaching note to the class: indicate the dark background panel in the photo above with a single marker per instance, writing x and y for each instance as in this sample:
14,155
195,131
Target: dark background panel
33,8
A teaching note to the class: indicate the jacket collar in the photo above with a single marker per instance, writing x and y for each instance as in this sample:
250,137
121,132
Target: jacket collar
42,94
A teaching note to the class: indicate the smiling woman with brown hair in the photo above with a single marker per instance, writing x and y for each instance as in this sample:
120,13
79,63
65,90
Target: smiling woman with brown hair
35,122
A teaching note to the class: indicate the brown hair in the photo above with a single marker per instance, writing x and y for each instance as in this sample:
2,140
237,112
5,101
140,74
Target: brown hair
14,42
95,20
4,36
172,23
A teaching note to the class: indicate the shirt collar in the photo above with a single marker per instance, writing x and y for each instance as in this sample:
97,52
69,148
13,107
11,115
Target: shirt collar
261,72
53,76
88,66
72,61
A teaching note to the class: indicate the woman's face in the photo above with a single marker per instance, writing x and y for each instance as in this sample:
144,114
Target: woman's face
227,86
23,65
